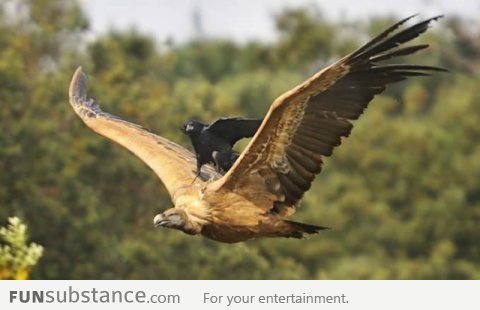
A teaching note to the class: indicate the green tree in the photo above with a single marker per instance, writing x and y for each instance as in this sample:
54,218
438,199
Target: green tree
16,257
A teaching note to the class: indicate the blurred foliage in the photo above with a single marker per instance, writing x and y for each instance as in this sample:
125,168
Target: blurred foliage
402,194
16,257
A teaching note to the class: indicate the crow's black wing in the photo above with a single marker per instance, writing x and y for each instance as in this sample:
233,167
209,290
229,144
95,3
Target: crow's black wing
233,129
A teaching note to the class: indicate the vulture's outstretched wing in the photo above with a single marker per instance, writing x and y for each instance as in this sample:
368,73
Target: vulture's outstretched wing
307,122
233,129
174,164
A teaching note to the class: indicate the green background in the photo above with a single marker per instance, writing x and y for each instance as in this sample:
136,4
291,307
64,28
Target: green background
402,194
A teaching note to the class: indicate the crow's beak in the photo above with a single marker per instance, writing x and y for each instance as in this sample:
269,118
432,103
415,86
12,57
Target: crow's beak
182,129
187,128
160,220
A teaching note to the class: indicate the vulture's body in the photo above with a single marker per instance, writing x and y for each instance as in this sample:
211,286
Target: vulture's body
268,181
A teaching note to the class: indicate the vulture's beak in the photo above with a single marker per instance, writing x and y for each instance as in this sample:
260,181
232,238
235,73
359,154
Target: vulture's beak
159,220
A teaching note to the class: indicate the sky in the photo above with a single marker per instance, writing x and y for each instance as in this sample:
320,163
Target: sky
245,20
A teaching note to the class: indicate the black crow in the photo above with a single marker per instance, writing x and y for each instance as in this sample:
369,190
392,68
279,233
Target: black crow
214,143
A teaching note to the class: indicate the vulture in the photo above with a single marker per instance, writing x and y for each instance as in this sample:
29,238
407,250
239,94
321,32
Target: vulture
255,198
214,143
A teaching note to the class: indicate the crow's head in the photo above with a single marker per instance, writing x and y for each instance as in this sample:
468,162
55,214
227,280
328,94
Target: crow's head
192,127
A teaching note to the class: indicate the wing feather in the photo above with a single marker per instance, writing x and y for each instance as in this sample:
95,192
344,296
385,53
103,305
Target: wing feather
233,129
173,164
308,122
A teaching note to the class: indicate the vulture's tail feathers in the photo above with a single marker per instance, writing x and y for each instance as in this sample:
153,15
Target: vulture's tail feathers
299,230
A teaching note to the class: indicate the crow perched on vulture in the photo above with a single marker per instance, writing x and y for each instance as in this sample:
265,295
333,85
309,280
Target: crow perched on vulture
267,182
214,143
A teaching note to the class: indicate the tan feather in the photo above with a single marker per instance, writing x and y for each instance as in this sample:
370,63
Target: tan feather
173,164
309,121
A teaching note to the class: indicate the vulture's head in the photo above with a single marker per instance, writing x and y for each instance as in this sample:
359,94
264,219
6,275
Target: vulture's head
192,127
172,218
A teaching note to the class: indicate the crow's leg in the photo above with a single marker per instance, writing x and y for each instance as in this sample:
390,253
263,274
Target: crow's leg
199,169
